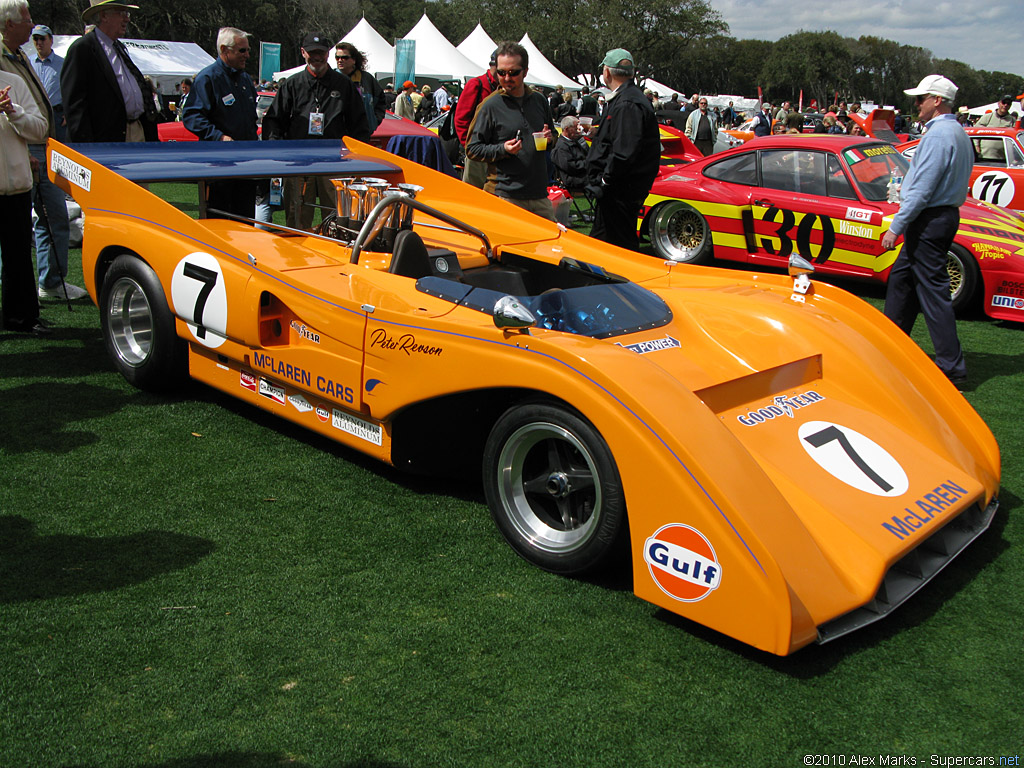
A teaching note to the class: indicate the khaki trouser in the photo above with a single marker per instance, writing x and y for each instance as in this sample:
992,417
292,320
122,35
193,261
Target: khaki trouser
475,173
300,194
541,206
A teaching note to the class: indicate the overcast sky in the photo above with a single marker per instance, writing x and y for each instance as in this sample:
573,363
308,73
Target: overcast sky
986,34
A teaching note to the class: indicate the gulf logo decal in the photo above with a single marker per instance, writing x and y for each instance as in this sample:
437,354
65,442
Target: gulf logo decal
682,562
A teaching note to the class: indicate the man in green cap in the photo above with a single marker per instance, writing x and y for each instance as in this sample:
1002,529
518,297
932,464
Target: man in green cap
624,156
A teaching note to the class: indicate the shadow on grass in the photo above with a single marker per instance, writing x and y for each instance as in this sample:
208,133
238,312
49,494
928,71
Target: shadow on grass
818,660
254,760
982,366
36,416
34,567
69,353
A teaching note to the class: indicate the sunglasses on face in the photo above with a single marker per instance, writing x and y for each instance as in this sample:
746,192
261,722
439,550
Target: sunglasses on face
241,50
342,57
510,72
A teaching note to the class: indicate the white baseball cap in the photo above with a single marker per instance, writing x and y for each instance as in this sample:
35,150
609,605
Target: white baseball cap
935,85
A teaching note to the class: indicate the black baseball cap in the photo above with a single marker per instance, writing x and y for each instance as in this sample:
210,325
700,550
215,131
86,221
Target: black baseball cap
315,42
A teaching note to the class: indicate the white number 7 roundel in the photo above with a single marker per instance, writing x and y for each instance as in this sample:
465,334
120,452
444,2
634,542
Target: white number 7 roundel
856,460
197,290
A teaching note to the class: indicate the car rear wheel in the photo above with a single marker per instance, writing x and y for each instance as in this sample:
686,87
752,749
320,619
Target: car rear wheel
964,278
553,488
138,327
679,233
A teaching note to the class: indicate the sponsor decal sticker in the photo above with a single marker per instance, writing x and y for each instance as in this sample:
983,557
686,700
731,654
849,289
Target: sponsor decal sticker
1010,302
301,404
858,214
924,510
857,230
323,413
305,332
682,562
364,430
782,405
248,381
77,174
271,390
852,458
1012,287
989,251
405,343
653,345
886,149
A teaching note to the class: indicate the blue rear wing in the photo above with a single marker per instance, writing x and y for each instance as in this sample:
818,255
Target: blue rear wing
212,160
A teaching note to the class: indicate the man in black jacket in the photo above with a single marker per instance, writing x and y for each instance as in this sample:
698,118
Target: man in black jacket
624,156
570,154
317,103
104,102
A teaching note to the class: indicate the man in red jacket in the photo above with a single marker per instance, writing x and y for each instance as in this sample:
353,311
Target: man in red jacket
476,90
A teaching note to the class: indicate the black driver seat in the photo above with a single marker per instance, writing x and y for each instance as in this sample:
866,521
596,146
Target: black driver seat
409,257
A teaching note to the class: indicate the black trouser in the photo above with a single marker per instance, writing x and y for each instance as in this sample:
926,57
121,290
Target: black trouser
615,219
919,282
20,303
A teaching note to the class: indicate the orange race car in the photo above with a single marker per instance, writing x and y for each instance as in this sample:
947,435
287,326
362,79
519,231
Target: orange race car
775,461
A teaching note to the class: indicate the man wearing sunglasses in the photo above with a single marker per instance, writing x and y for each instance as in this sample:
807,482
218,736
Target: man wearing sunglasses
502,135
222,107
928,218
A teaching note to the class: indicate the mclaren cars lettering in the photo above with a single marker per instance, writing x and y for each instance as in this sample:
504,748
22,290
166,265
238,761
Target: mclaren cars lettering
200,298
77,174
654,345
405,343
302,377
780,406
682,562
853,458
357,427
281,369
925,509
803,235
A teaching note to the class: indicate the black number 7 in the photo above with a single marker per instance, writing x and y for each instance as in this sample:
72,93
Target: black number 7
209,279
829,434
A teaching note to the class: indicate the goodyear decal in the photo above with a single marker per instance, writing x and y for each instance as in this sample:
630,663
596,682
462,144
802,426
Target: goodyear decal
1010,302
780,406
301,404
923,511
682,562
305,332
654,345
364,430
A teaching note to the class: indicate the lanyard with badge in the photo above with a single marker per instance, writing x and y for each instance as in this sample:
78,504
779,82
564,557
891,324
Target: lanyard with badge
316,117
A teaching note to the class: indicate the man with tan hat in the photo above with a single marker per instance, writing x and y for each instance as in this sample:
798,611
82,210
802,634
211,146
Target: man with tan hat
105,96
928,218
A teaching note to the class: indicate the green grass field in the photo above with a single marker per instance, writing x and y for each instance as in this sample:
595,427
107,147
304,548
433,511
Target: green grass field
190,582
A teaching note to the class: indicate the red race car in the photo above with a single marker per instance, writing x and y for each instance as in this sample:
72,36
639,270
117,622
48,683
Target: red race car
998,175
823,197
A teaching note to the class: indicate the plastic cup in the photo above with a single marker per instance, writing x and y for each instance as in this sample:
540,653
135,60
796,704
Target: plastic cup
540,141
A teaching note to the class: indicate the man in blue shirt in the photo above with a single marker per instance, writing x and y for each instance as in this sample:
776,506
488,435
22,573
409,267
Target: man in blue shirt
47,65
929,215
222,107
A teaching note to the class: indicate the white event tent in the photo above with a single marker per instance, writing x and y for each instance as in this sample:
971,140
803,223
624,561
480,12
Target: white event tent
436,56
542,71
478,47
166,62
379,53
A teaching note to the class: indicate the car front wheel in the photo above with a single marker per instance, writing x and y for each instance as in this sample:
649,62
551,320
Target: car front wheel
553,488
964,278
138,327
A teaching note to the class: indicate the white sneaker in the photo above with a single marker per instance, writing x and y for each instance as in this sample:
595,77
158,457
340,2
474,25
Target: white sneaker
74,292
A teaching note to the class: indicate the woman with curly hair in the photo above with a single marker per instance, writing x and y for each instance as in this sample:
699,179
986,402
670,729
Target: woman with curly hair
350,62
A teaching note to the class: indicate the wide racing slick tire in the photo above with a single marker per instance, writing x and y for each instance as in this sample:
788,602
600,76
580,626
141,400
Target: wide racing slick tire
964,278
678,232
138,326
553,488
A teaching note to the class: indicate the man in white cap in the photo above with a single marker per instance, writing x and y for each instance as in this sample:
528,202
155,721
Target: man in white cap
105,96
929,214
